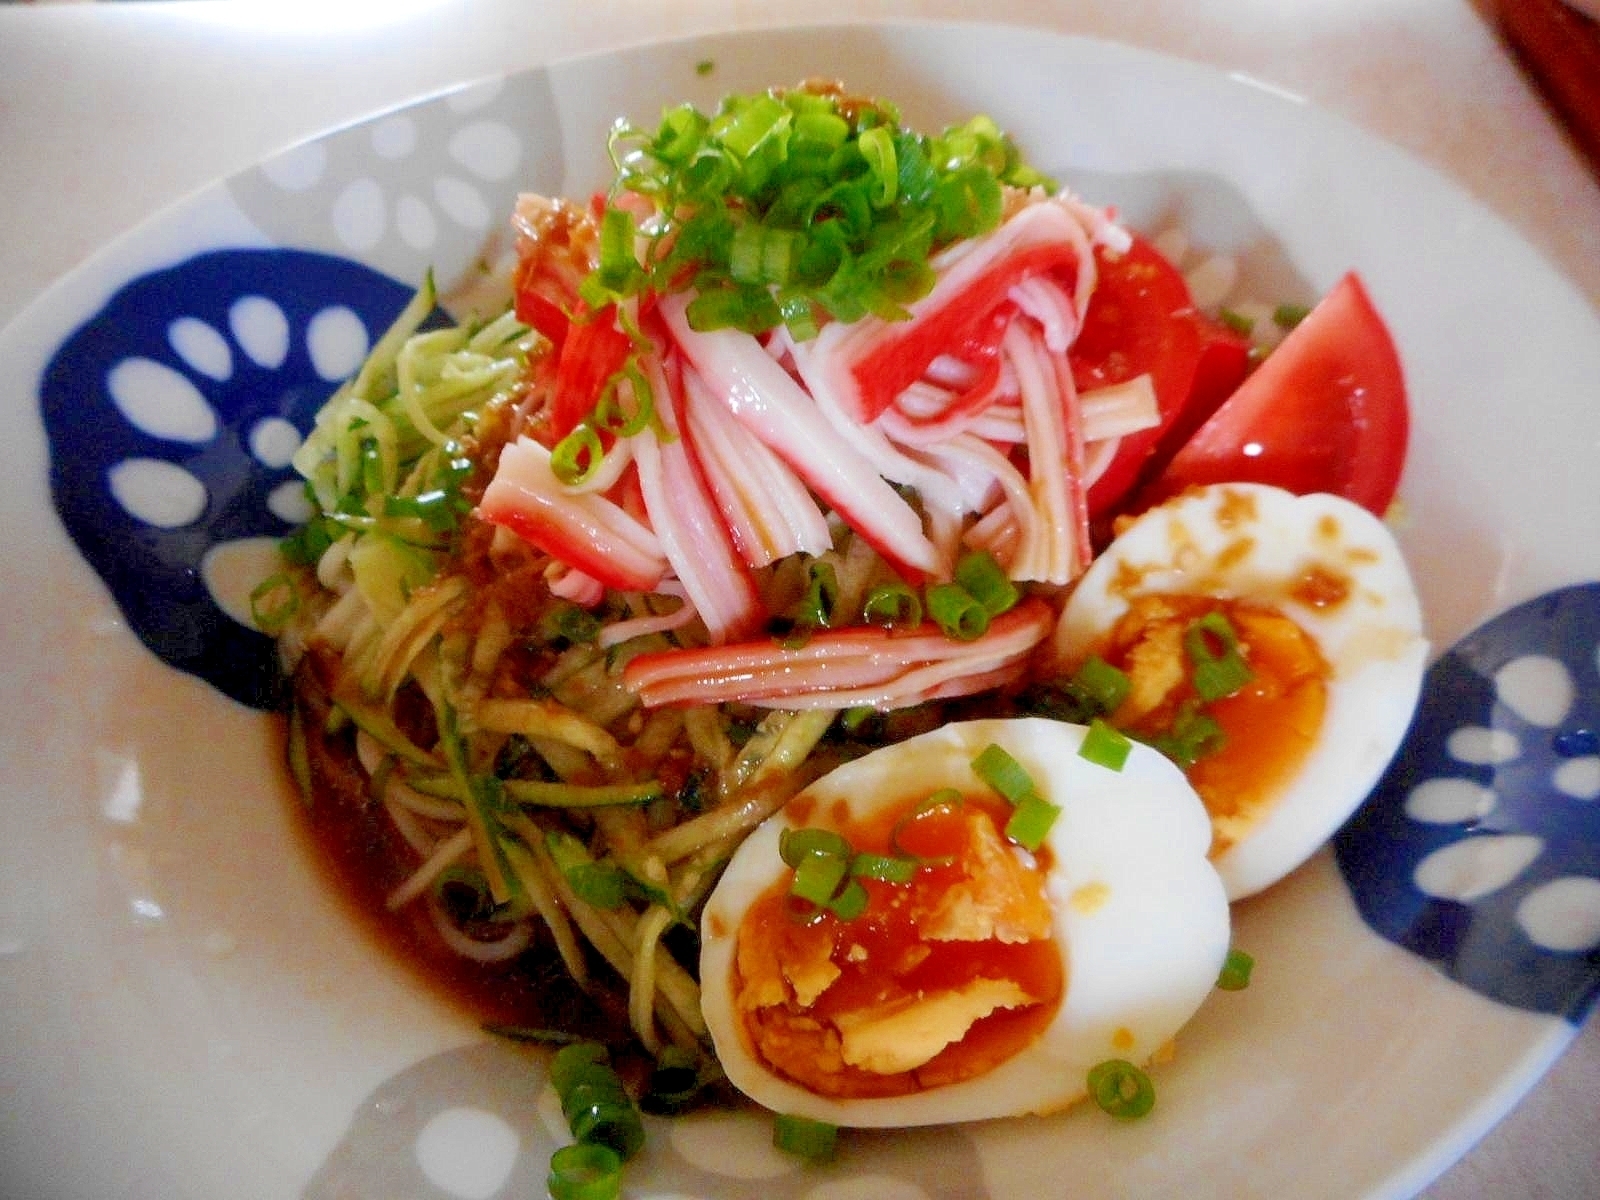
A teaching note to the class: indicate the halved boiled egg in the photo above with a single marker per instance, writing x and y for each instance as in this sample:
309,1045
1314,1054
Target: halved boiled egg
1272,644
977,979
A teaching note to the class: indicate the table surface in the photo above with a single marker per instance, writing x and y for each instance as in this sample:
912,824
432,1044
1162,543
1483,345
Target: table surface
109,112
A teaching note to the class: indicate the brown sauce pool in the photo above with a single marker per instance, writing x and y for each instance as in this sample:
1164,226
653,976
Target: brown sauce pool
363,858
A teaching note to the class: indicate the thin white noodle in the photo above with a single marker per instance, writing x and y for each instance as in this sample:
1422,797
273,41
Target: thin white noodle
446,855
512,944
434,808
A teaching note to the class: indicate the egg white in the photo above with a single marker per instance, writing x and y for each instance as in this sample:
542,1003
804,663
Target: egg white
1140,957
1251,542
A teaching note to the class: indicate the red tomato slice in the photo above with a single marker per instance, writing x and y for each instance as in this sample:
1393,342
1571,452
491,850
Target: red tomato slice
1140,320
594,350
1326,412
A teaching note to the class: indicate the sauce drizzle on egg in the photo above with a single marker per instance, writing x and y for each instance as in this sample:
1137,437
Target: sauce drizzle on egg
939,980
1268,727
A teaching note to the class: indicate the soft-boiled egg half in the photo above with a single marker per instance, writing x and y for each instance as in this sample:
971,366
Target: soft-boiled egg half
986,979
1273,644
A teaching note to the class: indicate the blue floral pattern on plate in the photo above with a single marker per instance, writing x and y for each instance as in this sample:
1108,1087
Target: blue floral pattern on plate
1480,848
171,415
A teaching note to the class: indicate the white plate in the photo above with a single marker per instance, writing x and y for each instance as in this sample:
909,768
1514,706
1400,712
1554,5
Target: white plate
185,1008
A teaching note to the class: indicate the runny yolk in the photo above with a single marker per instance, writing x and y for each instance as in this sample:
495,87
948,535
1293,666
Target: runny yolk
1269,726
939,980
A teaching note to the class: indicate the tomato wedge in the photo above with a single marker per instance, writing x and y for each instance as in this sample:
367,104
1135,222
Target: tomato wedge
1143,321
1326,412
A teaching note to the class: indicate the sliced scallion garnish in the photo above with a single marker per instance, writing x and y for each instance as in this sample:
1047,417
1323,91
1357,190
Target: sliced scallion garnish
1287,316
889,868
1121,1089
818,876
1218,666
1193,735
814,1141
577,456
995,766
1105,746
1031,821
838,207
1099,685
893,606
1235,973
1238,322
956,612
273,603
796,845
583,1171
594,1101
986,582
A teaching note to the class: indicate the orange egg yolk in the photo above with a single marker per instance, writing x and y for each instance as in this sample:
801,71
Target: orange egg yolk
1269,726
940,978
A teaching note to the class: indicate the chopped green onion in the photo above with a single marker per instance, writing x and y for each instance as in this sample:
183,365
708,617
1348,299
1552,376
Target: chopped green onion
577,456
814,1141
752,120
1238,322
309,542
585,1172
877,147
818,877
796,845
888,868
594,1101
1031,821
849,902
1105,746
854,718
1003,773
1213,649
1235,973
1099,685
799,314
892,605
945,799
986,582
569,1063
675,1082
837,208
1194,734
273,603
1121,1089
817,606
609,413
956,613
821,126
1287,316
748,309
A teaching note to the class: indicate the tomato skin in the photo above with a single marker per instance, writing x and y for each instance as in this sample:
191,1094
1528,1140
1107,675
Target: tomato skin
1140,320
1326,412
593,350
